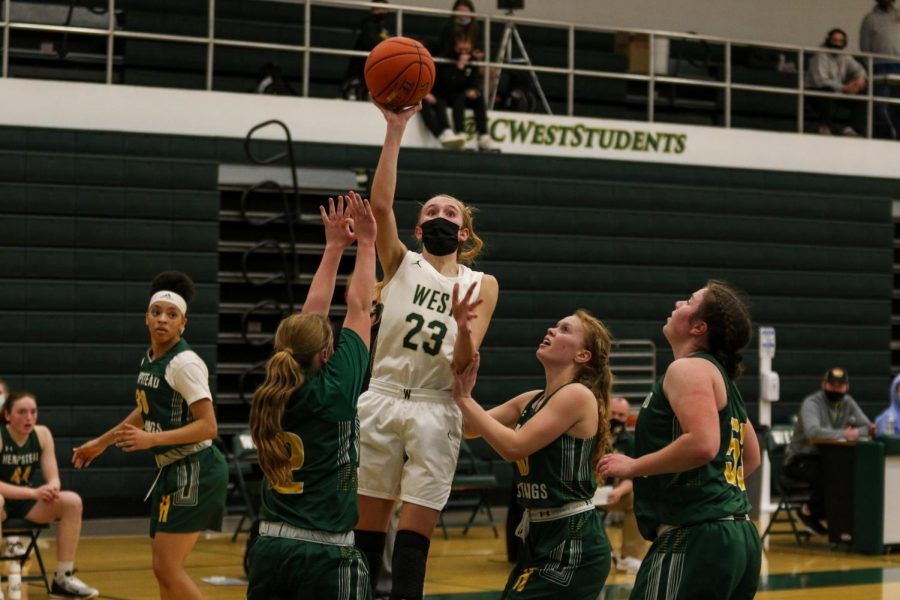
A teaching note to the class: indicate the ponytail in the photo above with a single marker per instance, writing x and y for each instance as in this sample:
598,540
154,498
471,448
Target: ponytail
297,341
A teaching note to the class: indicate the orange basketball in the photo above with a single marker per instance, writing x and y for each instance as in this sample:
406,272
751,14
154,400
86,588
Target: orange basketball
399,72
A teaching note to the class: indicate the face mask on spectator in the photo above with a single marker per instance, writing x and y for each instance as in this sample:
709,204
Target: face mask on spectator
616,426
839,46
834,397
463,21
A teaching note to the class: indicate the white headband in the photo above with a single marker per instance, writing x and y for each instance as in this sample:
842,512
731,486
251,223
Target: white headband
171,298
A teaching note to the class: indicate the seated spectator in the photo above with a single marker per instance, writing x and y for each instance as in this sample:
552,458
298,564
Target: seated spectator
621,498
832,72
458,85
888,421
828,414
880,34
26,446
372,31
461,24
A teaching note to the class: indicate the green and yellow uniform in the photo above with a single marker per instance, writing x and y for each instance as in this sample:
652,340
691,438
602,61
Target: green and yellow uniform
565,553
305,548
704,546
17,467
189,494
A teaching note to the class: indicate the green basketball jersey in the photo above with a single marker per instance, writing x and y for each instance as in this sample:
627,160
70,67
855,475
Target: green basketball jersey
322,430
18,463
558,473
162,407
707,493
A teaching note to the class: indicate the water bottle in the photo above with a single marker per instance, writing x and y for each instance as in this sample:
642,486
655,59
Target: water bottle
15,581
890,425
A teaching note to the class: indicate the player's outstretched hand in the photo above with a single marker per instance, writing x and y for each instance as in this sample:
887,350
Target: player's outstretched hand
363,219
338,225
398,117
84,455
463,309
464,381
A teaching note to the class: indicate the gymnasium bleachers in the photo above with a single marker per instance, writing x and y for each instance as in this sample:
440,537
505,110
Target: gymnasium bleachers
89,217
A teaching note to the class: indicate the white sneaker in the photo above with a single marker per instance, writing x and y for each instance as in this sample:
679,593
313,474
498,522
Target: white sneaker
849,131
452,141
628,564
485,143
13,548
824,130
69,586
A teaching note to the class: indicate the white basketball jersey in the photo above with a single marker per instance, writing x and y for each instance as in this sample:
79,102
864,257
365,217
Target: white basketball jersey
417,332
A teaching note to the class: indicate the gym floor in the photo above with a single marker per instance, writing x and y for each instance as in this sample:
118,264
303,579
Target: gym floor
116,560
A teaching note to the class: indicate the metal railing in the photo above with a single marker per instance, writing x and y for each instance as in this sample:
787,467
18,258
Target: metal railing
653,79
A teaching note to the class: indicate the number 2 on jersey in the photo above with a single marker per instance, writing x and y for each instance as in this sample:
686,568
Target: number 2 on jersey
297,458
437,329
734,457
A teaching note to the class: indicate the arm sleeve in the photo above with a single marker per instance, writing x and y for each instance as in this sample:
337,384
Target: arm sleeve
189,377
813,428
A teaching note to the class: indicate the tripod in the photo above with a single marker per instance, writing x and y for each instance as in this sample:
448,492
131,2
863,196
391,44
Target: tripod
505,55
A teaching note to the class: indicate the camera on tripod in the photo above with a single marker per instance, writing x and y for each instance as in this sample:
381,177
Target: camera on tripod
510,5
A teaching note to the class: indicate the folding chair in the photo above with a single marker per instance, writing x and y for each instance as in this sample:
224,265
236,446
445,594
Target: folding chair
471,488
27,529
242,460
792,494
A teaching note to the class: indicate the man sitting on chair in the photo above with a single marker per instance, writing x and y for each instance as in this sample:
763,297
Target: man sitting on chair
828,414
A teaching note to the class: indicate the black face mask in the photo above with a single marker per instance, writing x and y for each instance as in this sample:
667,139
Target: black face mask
834,397
616,426
440,236
830,44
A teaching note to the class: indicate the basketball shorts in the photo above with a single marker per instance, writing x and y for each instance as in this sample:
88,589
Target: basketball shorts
189,495
294,570
564,558
408,446
707,561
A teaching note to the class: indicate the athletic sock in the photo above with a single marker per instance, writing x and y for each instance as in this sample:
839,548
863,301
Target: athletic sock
64,568
408,565
371,544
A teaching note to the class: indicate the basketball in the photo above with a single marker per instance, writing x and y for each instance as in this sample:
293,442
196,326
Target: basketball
399,72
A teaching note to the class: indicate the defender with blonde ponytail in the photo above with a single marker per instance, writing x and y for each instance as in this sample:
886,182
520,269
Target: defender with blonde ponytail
556,437
694,448
303,422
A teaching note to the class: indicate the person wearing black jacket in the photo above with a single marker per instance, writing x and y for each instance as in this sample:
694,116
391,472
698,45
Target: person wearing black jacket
459,86
372,31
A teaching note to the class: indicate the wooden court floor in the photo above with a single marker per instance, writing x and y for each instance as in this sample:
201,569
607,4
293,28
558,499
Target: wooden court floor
474,567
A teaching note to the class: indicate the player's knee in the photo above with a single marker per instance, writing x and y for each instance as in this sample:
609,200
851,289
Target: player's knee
71,501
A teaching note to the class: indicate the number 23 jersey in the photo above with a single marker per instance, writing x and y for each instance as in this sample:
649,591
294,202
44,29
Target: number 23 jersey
417,333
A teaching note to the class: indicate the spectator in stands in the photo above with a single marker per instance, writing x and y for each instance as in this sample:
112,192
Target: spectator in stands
832,72
462,24
828,414
4,392
458,85
880,34
621,498
888,422
372,31
27,447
